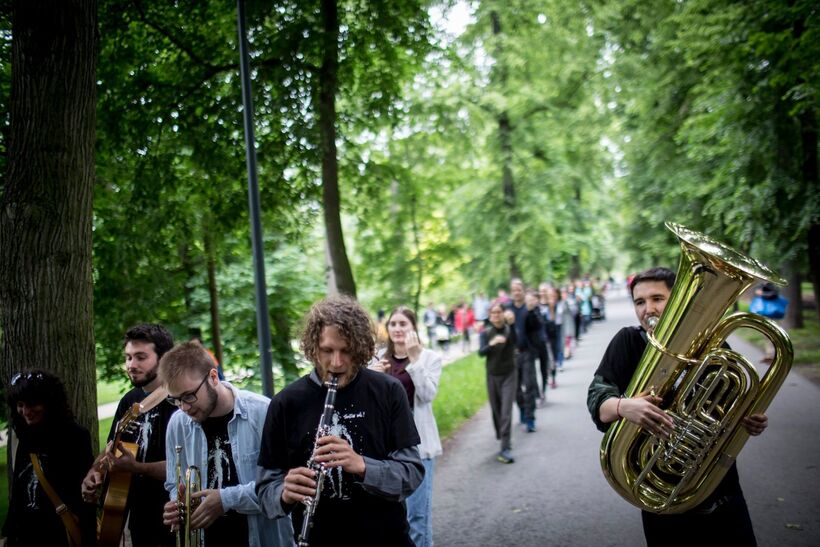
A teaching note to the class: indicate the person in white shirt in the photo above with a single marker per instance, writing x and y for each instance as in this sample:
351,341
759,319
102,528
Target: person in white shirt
419,370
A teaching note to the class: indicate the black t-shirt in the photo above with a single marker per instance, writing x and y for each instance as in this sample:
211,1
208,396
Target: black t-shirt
618,365
231,528
373,415
520,325
64,451
500,357
147,496
622,357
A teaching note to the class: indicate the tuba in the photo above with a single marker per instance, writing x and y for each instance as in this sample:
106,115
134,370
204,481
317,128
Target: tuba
706,389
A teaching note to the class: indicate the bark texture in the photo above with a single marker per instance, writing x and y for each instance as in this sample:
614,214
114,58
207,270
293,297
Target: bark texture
46,209
339,264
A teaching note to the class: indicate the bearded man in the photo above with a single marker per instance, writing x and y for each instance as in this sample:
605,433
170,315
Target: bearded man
371,450
144,345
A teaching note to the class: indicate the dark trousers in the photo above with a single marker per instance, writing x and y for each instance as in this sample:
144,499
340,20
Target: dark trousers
527,384
728,524
544,366
501,389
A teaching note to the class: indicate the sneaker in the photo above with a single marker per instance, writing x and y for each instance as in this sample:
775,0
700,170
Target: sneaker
530,426
553,385
505,456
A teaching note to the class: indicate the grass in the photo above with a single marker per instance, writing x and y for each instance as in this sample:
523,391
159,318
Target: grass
462,391
109,392
105,427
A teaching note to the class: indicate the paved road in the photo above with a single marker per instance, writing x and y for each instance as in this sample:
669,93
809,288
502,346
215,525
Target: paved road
555,493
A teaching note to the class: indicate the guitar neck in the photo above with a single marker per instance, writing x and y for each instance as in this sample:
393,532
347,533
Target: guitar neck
154,399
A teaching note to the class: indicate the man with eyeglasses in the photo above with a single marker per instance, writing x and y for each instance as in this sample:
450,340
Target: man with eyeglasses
219,431
144,345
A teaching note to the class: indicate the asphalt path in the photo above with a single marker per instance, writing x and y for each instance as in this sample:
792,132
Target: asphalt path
555,492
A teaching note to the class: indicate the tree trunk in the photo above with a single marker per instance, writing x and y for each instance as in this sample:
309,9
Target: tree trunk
45,212
280,342
505,147
187,266
419,255
575,265
339,263
809,171
814,264
213,292
794,311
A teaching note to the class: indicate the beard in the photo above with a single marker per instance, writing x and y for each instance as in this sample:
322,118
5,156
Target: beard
150,376
212,398
344,378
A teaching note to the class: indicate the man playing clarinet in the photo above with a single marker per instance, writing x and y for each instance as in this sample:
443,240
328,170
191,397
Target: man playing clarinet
370,453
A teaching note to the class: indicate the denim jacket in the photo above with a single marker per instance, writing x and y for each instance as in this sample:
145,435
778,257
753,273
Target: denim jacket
245,433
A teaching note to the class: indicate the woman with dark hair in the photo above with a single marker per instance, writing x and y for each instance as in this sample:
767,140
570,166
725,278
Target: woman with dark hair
418,369
49,437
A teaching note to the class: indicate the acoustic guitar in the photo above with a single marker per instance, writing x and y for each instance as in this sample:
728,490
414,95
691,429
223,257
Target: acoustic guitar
111,519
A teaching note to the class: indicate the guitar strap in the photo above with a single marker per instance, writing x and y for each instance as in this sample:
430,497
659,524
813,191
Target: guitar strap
69,519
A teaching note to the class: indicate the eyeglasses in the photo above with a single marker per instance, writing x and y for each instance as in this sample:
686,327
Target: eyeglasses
27,376
187,398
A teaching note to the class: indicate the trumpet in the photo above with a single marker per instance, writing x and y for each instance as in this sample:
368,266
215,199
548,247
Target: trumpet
186,505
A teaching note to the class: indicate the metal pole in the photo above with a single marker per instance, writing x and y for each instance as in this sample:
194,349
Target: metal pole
262,322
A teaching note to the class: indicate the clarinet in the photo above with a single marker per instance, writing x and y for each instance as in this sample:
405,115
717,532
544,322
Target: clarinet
324,428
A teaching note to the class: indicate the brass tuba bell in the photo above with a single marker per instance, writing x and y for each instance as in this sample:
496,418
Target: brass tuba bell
706,389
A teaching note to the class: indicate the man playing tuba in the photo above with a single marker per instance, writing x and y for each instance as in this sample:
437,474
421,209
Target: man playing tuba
724,513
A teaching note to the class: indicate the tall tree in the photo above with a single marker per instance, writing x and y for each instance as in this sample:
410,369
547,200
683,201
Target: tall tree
534,129
716,101
326,107
45,210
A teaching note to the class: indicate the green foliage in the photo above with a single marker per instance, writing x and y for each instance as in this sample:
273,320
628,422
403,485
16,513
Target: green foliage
601,120
462,391
171,193
434,223
806,341
709,98
109,392
550,228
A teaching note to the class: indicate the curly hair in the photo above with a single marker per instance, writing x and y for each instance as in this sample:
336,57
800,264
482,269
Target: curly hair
38,387
353,322
152,333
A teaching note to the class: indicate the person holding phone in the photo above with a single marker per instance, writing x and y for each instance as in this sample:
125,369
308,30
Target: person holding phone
419,370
